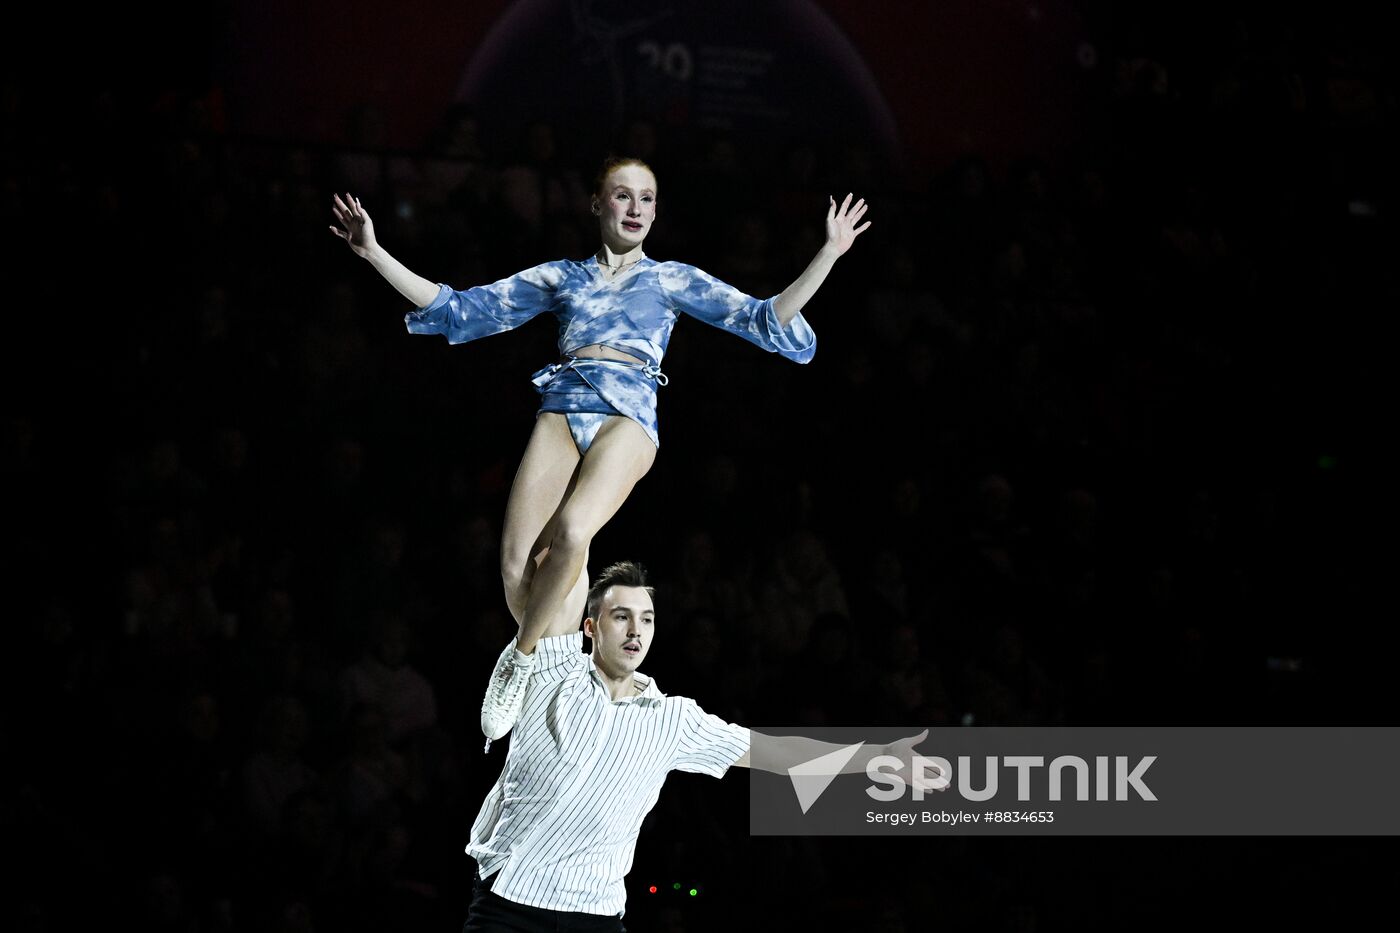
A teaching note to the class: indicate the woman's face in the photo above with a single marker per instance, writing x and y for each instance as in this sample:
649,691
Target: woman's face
626,207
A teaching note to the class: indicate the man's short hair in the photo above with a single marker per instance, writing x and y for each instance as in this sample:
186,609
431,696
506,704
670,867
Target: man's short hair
622,573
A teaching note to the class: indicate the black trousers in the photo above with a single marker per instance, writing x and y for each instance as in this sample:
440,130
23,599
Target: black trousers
491,913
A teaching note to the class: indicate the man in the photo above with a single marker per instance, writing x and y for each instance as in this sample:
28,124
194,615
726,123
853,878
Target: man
593,745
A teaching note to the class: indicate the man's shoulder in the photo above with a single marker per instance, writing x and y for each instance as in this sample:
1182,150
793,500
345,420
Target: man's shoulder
563,646
559,655
682,704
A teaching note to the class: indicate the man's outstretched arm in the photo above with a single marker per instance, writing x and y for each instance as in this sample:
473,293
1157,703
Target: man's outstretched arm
779,754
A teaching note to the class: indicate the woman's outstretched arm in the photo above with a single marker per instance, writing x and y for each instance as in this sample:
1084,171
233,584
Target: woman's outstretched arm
357,229
841,232
776,324
440,309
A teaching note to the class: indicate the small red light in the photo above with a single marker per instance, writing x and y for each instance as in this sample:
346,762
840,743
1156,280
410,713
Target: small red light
652,889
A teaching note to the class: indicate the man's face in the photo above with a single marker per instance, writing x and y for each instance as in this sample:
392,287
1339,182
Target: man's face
622,632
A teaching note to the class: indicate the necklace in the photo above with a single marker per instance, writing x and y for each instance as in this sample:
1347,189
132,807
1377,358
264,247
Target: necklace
622,266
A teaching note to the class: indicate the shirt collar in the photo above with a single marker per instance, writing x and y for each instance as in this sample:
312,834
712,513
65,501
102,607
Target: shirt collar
649,688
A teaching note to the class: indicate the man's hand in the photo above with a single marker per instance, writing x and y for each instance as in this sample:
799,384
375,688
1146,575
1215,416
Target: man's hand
903,749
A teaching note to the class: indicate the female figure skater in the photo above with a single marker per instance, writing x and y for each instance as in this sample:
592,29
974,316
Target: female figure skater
595,435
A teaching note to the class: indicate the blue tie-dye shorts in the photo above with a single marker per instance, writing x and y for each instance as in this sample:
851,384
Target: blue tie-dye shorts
589,390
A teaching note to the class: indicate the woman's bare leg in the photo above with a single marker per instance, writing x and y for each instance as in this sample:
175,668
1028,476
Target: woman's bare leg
620,455
542,483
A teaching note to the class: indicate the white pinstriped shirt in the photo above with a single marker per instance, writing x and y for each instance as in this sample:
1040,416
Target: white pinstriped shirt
560,827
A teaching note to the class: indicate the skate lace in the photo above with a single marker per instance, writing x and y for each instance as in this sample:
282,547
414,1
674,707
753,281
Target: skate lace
504,690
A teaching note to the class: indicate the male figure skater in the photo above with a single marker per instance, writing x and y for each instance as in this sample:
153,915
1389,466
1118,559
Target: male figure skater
593,745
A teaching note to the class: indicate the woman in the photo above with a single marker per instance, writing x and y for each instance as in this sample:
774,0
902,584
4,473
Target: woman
595,435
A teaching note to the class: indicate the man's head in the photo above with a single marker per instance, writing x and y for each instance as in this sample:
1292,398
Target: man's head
620,619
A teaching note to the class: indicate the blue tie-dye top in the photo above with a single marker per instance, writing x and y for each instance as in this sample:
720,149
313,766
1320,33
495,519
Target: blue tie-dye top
634,312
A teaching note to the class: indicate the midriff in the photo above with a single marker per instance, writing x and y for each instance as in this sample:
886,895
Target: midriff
598,351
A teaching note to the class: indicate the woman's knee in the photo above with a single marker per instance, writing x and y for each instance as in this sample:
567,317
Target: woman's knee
572,536
517,566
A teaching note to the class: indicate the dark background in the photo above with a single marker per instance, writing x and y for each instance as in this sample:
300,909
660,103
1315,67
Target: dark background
1092,437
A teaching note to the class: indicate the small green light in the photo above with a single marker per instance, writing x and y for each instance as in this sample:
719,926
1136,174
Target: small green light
676,886
694,891
1325,462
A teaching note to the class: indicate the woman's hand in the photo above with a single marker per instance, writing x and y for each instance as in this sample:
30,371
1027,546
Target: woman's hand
841,232
358,229
841,229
